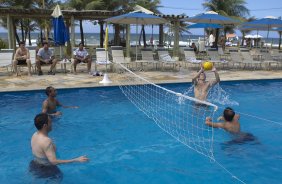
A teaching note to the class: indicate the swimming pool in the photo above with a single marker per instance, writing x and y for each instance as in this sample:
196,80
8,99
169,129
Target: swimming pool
126,147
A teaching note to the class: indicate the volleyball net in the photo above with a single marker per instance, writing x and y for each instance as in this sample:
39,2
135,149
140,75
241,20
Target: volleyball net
181,116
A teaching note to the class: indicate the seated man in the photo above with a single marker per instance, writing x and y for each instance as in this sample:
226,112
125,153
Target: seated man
194,48
230,121
45,56
81,55
22,57
49,105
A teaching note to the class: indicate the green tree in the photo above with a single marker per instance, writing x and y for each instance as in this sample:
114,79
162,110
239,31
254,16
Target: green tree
84,5
232,8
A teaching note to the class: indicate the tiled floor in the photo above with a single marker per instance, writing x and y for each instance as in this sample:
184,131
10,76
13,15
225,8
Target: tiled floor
62,80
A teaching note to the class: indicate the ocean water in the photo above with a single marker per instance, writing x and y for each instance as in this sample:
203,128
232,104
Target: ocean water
125,146
94,38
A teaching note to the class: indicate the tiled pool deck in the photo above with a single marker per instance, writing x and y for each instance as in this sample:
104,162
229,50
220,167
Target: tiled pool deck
62,80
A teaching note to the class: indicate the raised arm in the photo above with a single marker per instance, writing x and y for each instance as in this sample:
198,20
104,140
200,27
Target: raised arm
194,79
213,124
65,106
217,79
51,155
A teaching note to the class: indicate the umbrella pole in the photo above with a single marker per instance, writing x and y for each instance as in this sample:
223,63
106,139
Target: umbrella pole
106,79
267,36
136,40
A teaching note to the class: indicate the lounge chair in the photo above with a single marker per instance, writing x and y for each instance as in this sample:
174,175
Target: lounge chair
138,61
248,60
236,58
190,57
118,56
165,58
268,60
148,55
102,58
215,58
222,54
6,58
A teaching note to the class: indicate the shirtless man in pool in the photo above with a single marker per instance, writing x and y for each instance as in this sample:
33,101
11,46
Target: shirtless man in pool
50,104
43,148
201,86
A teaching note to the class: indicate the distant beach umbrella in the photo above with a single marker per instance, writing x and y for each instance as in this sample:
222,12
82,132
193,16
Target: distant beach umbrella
204,25
211,17
138,18
267,23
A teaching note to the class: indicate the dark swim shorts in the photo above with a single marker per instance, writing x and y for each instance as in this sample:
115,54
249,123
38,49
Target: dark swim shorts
45,171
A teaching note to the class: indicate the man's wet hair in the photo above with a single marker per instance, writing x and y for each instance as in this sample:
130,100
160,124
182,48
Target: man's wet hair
228,114
80,44
48,90
40,120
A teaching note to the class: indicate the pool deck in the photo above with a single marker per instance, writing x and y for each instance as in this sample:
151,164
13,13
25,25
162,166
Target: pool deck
62,80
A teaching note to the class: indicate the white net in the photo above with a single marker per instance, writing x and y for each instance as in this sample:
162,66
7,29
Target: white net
181,116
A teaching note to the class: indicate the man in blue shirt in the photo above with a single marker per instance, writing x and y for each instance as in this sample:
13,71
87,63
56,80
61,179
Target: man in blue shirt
45,56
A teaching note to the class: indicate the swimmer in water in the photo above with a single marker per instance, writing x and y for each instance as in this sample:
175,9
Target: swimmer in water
51,103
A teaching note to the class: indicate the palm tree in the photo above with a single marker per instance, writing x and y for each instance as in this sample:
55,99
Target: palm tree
151,5
84,5
244,32
231,8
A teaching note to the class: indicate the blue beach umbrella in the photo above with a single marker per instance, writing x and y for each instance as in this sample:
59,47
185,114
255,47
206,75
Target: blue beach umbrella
136,18
212,17
204,25
61,33
266,23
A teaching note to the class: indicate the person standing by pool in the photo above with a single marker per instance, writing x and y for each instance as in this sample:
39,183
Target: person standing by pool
50,104
44,150
201,86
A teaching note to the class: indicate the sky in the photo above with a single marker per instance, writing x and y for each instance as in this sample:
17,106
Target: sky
258,9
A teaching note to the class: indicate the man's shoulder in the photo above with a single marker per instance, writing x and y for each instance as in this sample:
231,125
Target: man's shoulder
41,50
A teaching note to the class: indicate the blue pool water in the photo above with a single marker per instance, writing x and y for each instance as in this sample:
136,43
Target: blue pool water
126,147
